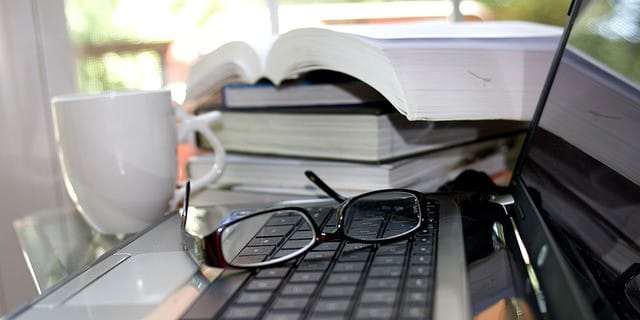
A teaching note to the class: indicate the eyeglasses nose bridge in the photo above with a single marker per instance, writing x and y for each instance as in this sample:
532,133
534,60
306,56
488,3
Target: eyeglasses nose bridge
323,237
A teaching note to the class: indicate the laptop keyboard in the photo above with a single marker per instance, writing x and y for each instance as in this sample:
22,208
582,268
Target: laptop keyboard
335,280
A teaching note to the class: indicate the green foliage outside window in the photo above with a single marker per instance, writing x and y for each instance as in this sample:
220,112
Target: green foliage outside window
112,71
552,12
126,27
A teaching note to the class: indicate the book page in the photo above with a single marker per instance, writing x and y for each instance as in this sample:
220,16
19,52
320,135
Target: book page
461,30
234,62
307,49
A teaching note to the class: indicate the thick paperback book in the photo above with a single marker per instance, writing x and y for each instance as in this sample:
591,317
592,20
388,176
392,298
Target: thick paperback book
427,71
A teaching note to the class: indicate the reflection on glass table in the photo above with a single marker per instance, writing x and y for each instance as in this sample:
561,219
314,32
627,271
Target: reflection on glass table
58,242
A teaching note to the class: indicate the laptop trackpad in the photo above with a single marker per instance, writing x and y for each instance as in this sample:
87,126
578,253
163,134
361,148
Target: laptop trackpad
145,278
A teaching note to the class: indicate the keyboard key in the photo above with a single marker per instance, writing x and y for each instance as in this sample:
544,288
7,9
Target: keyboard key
349,266
295,244
421,259
285,214
274,231
414,298
243,260
420,248
425,240
327,246
387,260
283,221
391,250
300,235
319,255
242,312
355,256
355,246
417,283
314,265
263,284
299,289
386,297
385,271
364,233
369,312
423,233
257,251
285,252
283,315
344,278
397,229
328,316
332,306
290,303
382,283
419,270
414,313
265,241
277,273
304,226
253,297
299,277
335,291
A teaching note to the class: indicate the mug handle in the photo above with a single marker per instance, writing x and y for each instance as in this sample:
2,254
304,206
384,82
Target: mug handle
200,123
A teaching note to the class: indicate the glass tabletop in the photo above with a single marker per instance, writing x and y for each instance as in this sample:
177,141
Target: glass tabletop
57,243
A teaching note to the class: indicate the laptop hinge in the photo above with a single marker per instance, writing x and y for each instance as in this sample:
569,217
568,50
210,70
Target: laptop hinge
506,201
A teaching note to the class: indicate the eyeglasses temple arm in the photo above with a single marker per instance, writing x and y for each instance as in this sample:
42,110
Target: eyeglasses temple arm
195,246
185,208
323,186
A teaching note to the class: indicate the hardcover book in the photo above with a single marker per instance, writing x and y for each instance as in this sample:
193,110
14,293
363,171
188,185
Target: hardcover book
368,137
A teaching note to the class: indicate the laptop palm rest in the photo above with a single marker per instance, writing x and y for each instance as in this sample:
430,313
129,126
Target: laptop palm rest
121,279
144,271
145,278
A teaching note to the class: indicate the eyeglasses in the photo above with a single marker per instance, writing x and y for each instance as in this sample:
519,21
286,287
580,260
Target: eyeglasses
274,236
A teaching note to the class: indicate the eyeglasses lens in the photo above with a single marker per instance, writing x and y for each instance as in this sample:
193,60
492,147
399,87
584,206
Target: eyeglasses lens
384,215
266,238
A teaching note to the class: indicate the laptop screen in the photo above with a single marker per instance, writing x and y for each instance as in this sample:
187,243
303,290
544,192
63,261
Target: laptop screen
582,165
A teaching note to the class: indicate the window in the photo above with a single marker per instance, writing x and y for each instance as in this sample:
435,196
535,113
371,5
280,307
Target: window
148,44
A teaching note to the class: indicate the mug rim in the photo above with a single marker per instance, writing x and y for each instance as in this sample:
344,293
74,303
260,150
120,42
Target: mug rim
105,95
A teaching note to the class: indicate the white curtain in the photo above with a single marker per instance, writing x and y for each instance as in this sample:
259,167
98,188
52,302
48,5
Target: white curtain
35,64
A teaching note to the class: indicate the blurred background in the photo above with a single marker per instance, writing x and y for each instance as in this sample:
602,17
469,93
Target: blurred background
148,44
151,43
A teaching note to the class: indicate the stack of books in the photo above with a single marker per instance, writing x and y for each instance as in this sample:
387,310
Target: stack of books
285,175
355,143
284,113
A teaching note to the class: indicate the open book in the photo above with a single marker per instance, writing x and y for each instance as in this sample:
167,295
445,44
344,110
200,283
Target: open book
428,71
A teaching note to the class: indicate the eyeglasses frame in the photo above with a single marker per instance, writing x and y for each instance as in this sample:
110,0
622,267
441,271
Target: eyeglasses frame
208,249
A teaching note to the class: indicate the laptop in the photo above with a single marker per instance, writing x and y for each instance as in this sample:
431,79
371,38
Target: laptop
566,245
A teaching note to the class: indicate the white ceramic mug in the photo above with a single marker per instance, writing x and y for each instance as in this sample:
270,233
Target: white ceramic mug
118,152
